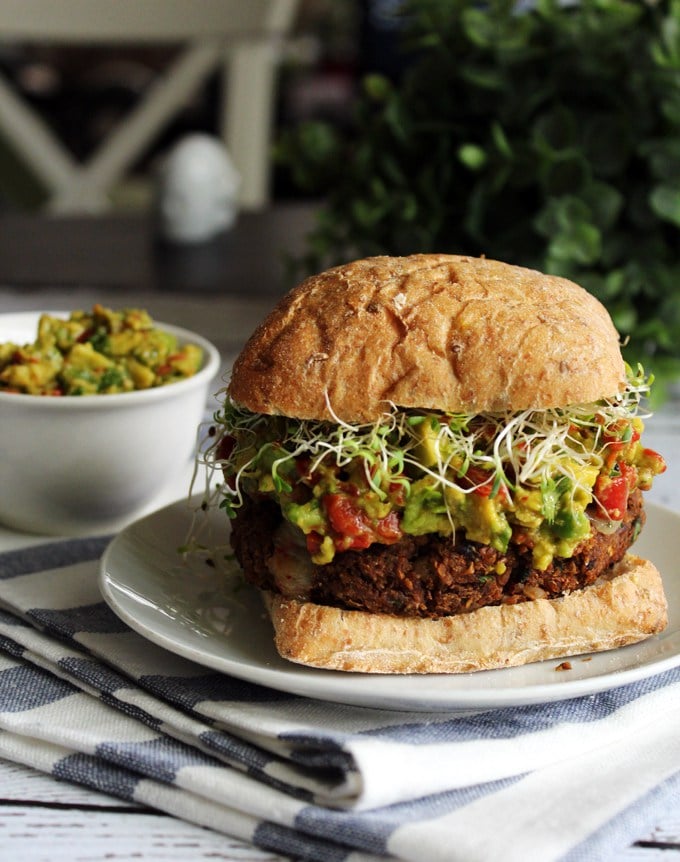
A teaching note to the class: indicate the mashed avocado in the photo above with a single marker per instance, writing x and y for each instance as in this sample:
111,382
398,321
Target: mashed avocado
96,353
540,479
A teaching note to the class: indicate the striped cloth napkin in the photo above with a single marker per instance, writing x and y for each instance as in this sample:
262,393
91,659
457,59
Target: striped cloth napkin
87,700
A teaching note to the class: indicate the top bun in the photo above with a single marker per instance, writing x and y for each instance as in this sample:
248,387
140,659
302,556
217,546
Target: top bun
444,332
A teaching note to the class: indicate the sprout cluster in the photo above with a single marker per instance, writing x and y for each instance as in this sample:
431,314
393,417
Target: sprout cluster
531,448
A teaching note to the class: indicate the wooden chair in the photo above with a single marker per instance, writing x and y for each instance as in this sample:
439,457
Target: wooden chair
239,38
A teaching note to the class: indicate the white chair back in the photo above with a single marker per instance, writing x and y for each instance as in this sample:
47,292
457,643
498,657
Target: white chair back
240,38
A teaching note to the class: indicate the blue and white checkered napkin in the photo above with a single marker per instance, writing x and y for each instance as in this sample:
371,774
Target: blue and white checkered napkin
87,700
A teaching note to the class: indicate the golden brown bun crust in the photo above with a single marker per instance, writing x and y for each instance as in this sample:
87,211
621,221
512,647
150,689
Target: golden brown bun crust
432,331
624,608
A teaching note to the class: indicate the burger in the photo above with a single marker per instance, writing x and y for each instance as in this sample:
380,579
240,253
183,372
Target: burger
434,464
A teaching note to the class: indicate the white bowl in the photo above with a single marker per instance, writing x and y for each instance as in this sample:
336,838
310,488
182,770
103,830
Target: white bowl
77,465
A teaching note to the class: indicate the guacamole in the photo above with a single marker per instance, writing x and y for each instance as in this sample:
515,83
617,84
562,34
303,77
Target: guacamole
537,478
96,353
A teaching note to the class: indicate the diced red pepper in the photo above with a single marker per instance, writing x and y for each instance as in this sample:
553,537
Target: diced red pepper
482,483
655,460
612,491
613,497
629,473
354,528
480,480
388,528
347,521
617,443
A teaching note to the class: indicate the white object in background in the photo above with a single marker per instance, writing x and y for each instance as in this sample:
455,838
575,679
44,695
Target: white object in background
197,190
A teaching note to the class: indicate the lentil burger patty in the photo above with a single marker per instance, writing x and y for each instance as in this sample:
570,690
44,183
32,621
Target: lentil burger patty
428,576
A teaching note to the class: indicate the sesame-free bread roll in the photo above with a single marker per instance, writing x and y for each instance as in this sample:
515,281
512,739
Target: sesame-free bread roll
437,331
624,607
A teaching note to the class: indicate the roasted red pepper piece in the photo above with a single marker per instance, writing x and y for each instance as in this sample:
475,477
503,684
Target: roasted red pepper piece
612,491
354,528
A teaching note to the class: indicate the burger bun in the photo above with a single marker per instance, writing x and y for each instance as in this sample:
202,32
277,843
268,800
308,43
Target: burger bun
429,331
623,607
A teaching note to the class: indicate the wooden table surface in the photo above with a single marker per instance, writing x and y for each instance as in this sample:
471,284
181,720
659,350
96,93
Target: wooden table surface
222,290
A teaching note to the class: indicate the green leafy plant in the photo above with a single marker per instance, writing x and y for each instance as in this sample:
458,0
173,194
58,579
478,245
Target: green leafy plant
547,137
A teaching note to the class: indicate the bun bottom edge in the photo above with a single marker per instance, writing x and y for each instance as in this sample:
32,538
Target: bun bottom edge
624,606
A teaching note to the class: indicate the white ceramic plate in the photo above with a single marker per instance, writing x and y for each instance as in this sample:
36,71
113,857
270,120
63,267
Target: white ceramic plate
208,615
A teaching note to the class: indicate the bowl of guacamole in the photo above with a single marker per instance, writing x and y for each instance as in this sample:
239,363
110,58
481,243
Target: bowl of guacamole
100,412
98,352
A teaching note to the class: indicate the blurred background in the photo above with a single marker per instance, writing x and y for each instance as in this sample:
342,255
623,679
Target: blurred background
83,88
544,134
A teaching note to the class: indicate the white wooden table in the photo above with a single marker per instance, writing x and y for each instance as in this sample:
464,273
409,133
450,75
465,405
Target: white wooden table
42,820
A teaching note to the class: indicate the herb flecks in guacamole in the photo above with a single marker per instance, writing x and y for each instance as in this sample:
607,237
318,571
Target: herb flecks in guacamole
96,353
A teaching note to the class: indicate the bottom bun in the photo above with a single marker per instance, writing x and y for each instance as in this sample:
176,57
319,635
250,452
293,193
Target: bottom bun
625,606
